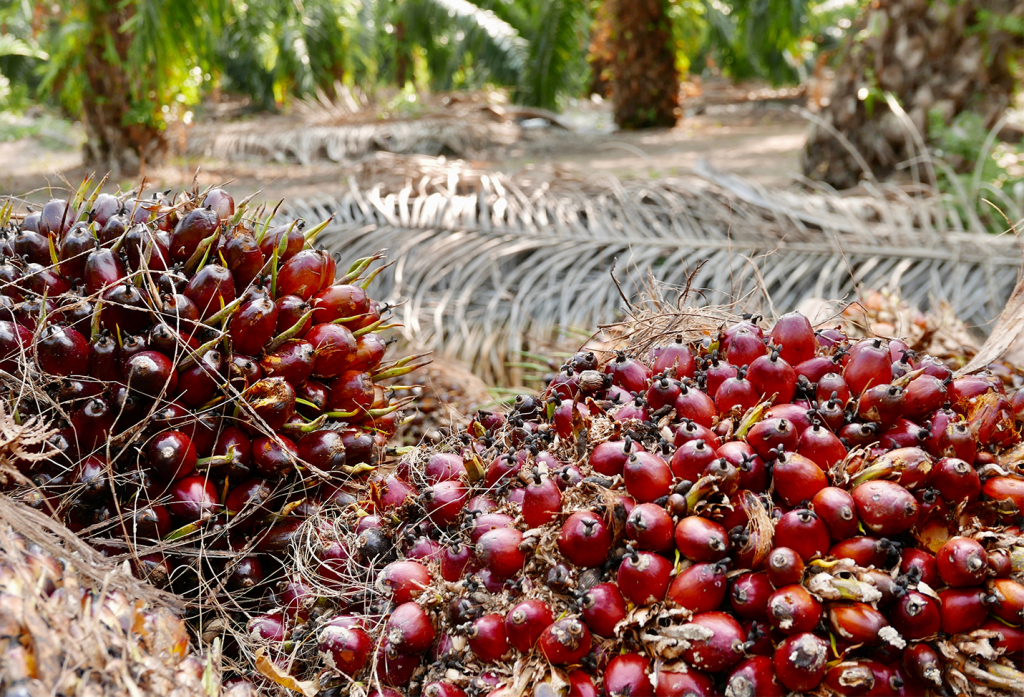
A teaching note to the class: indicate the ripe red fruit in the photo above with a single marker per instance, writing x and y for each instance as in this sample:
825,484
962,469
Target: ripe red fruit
267,628
691,459
689,430
915,616
171,454
770,434
210,289
628,373
332,345
151,373
442,689
797,479
445,500
542,501
487,522
955,480
1009,600
194,499
744,345
565,642
749,597
962,562
771,376
785,567
822,446
869,365
626,676
719,647
650,527
716,373
927,569
1005,489
498,551
885,508
795,338
643,577
695,405
735,396
700,588
404,580
800,661
922,664
962,609
832,385
662,392
803,532
881,404
274,457
395,667
62,351
864,551
647,477
700,539
409,628
673,359
253,326
585,539
344,648
857,623
837,510
793,610
692,683
306,274
923,396
608,458
525,623
603,607
754,677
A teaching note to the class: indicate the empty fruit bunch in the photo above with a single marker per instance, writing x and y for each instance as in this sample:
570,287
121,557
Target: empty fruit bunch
771,510
213,378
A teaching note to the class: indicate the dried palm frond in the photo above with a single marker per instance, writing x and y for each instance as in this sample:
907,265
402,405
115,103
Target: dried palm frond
483,261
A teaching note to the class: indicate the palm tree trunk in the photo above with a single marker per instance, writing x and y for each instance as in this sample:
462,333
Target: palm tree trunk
642,65
115,144
401,55
936,58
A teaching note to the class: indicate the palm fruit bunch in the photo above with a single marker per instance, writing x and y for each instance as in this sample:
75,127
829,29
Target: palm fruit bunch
211,375
751,513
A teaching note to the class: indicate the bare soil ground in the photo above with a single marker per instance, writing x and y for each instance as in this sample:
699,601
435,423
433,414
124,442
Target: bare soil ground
762,144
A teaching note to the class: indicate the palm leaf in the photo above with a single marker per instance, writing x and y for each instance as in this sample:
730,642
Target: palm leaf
484,274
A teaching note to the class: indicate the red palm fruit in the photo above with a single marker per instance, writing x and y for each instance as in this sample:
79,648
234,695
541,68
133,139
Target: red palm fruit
404,581
695,405
323,449
832,383
719,648
628,373
56,217
278,537
525,623
565,642
253,326
794,337
542,501
312,391
744,325
754,677
643,577
1010,639
273,401
953,440
700,539
454,561
112,230
962,561
104,359
803,532
999,563
881,404
409,628
750,593
124,309
444,501
1009,600
922,664
770,434
352,390
691,431
800,661
443,466
864,551
180,312
832,415
243,258
171,455
674,359
291,309
814,369
198,383
725,475
170,342
691,459
785,567
62,351
924,394
197,225
736,394
274,457
296,241
293,361
743,347
210,289
798,479
249,497
854,678
339,302
927,569
753,474
822,446
992,422
485,522
442,689
608,458
857,623
915,616
334,344
151,373
102,269
267,628
581,684
395,667
699,588
1005,489
837,510
359,446
964,392
585,540
692,683
306,274
74,250
498,550
647,477
32,247
955,480
650,527
716,373
603,607
772,375
793,610
194,499
869,366
344,649
626,676
903,434
885,508
151,521
934,367
662,392
962,609
423,548
369,352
